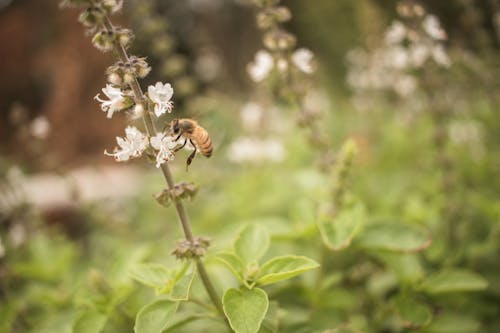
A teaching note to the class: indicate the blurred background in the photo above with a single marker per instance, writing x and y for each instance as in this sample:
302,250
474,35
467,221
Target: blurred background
68,213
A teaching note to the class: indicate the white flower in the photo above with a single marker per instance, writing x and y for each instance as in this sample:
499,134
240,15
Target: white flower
165,145
261,67
132,146
303,59
116,100
433,28
440,56
161,94
396,33
419,53
251,115
255,150
40,127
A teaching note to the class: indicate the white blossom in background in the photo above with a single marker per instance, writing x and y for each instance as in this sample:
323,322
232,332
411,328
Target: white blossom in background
251,116
255,150
303,59
161,94
440,56
433,28
261,67
116,101
131,146
40,127
165,145
396,33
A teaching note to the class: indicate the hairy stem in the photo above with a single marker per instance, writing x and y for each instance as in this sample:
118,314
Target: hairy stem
179,207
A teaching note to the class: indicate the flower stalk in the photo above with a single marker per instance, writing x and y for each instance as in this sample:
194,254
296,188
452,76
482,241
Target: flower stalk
117,44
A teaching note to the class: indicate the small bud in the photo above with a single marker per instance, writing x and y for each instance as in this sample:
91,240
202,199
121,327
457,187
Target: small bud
115,79
112,6
279,40
251,271
140,66
163,198
189,250
103,40
138,111
124,36
128,78
92,17
282,14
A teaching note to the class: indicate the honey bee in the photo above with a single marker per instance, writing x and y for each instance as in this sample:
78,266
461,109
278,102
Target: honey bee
195,134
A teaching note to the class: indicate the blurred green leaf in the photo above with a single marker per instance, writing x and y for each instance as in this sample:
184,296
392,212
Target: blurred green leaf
90,322
154,317
153,275
245,309
271,320
455,280
407,266
252,243
284,267
233,263
393,237
338,231
453,323
413,313
182,287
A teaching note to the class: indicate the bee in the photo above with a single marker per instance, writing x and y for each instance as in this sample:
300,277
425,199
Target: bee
195,134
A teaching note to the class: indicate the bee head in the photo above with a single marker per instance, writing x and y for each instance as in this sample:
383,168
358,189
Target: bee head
174,126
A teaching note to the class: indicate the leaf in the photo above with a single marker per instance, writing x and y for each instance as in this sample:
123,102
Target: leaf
271,320
90,322
453,281
413,313
453,323
394,237
252,243
180,291
284,267
233,263
407,266
154,317
245,309
338,232
153,275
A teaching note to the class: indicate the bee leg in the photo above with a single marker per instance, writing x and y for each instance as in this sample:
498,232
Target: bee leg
179,148
178,137
191,156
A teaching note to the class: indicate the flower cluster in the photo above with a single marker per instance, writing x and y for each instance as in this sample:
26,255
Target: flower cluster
279,52
408,45
119,94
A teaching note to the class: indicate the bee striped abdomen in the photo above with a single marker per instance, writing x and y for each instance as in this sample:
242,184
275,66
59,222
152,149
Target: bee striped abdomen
202,140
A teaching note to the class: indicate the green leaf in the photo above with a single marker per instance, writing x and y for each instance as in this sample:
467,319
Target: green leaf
413,313
453,323
233,263
271,321
394,237
90,322
453,281
284,267
153,275
252,243
180,291
245,309
338,232
154,317
407,266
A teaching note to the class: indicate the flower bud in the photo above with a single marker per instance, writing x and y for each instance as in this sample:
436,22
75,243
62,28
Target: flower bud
282,14
128,78
115,79
279,40
138,111
112,6
92,17
140,66
103,40
124,36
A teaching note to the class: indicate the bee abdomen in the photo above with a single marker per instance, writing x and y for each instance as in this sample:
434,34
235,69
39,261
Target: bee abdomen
203,141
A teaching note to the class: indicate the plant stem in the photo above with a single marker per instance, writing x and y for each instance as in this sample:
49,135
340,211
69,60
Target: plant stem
179,207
